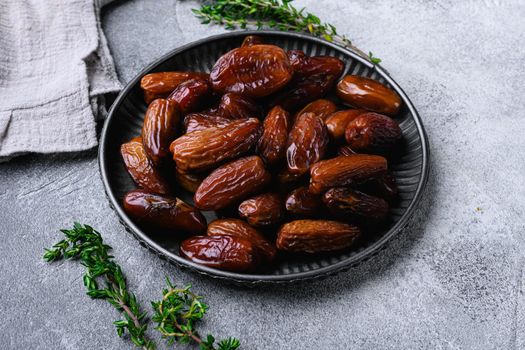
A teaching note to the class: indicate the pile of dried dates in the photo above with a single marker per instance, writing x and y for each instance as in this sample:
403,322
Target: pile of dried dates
290,156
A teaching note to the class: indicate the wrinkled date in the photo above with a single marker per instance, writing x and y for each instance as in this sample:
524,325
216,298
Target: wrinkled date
159,130
307,143
383,186
160,85
190,182
345,170
304,65
314,236
368,94
347,203
240,229
168,213
320,108
235,106
221,252
200,121
140,168
313,78
190,94
337,122
231,183
372,132
272,144
262,210
254,71
301,202
205,149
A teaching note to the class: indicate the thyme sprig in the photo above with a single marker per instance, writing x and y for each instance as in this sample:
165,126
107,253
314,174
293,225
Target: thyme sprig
176,314
86,244
277,14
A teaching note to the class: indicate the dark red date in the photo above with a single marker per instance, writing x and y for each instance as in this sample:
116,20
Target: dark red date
254,71
372,132
240,229
347,203
140,168
307,143
272,144
190,94
221,252
159,130
162,212
231,183
262,210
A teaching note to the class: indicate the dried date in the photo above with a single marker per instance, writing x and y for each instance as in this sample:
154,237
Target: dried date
161,84
140,167
273,141
307,143
221,252
231,183
205,149
190,94
240,229
314,236
368,94
159,130
345,170
162,212
262,210
348,203
372,132
254,71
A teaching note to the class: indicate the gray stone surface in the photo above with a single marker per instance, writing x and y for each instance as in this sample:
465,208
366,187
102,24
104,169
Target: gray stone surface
452,280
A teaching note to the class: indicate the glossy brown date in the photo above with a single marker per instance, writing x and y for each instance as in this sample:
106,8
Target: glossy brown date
307,143
321,108
347,203
240,229
200,121
205,149
304,65
190,94
231,183
313,78
159,130
303,90
190,182
383,186
273,141
372,132
262,210
368,94
315,236
345,170
251,40
161,84
236,106
301,202
221,252
141,169
337,122
162,212
254,71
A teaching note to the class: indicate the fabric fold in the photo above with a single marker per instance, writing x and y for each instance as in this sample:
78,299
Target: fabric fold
55,68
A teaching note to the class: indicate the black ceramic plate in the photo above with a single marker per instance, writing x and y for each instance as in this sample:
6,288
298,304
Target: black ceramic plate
125,121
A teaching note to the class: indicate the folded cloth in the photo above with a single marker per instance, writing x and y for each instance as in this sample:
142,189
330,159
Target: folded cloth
55,67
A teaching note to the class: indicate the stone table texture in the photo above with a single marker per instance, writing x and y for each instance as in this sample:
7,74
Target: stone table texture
452,280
